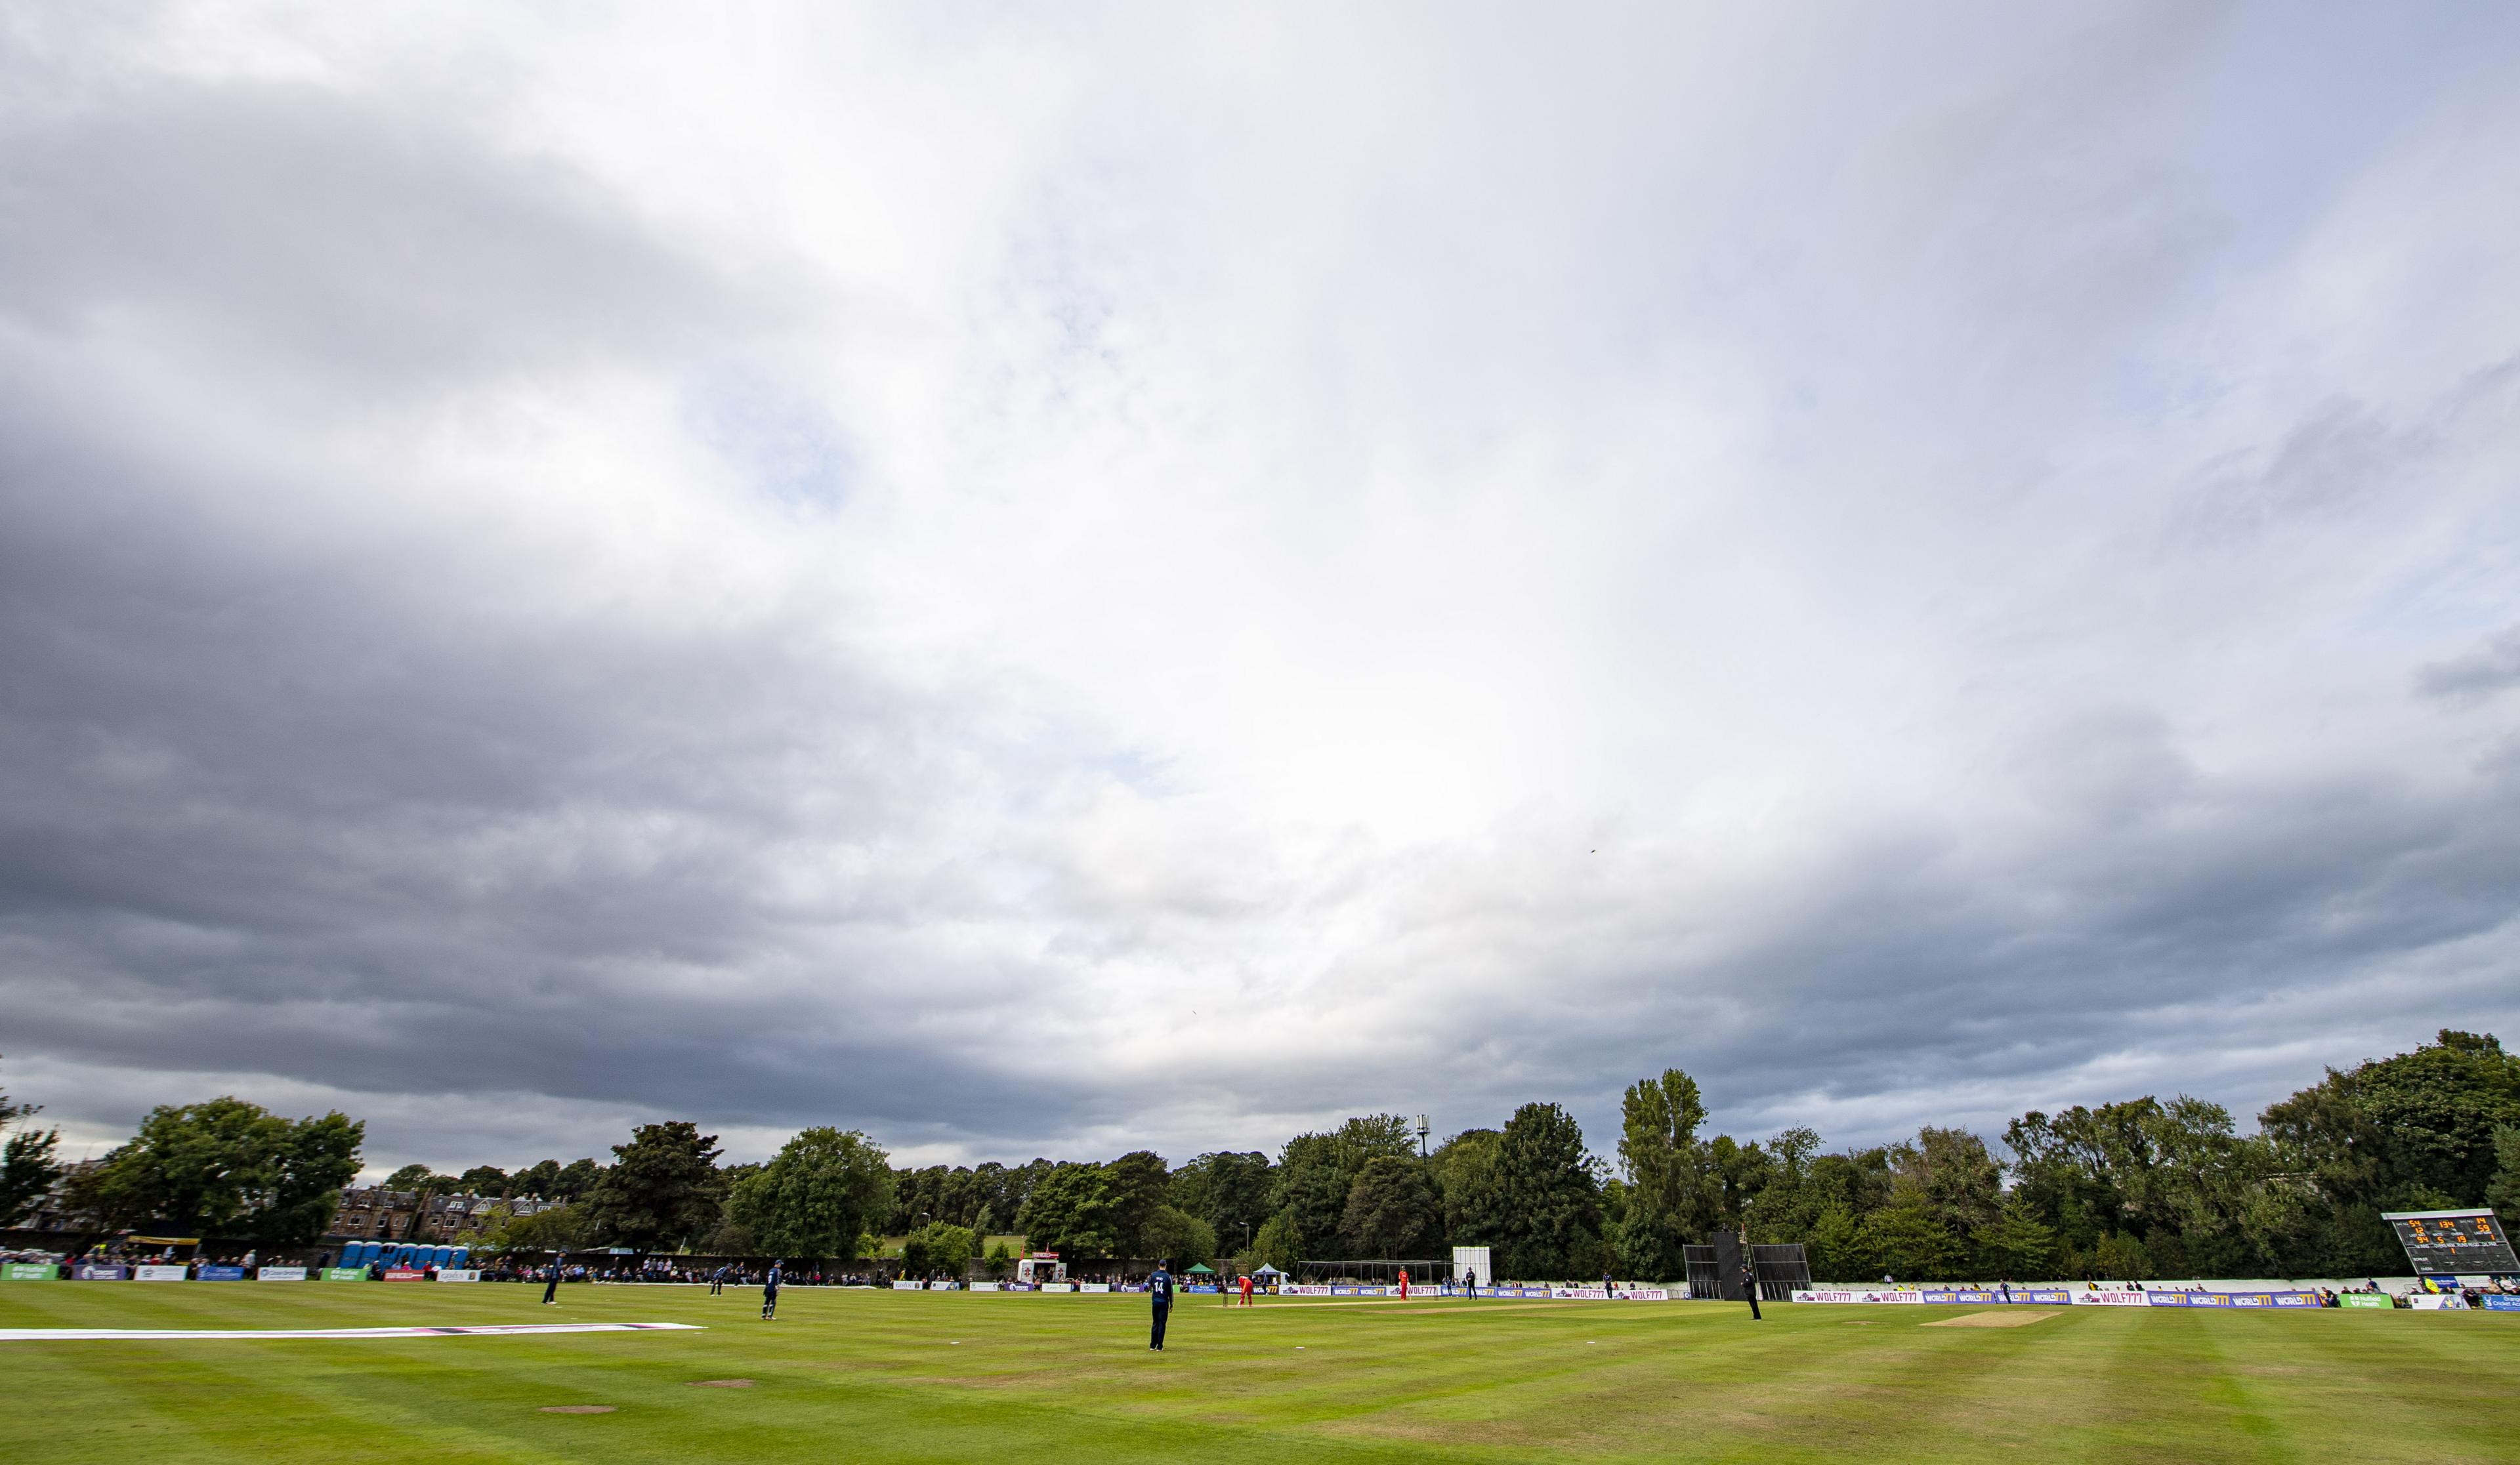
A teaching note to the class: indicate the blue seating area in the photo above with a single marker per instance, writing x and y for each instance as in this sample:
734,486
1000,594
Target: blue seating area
404,1253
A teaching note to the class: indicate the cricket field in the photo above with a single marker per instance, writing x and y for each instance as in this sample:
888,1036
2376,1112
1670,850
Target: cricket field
996,1378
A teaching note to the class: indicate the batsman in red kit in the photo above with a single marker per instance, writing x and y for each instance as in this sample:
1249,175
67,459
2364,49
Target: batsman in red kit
1403,1284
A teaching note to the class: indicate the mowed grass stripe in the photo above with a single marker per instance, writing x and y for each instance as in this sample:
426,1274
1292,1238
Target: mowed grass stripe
878,1377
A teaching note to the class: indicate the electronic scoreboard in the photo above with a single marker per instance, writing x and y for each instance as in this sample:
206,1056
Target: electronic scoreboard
2442,1242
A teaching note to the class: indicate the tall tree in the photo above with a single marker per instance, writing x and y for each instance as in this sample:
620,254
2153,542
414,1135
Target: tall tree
1464,1170
2502,1193
661,1189
310,1161
2414,1131
1553,1220
227,1168
1393,1211
1315,1171
1131,1191
939,1247
28,1163
1742,1173
578,1179
823,1190
1227,1190
1058,1213
1672,1195
1173,1233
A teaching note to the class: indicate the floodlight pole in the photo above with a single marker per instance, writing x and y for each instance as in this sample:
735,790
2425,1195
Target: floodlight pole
1423,1129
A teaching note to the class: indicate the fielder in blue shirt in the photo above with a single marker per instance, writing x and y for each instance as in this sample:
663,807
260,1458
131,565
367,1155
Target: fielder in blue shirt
1159,1292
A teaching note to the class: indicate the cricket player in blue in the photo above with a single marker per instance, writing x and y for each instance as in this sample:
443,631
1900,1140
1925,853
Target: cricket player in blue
770,1294
1159,1292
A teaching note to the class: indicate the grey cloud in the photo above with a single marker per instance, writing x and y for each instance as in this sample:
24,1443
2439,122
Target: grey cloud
2491,669
365,246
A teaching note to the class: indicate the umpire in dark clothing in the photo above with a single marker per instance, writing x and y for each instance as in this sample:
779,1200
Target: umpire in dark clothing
551,1281
1159,1292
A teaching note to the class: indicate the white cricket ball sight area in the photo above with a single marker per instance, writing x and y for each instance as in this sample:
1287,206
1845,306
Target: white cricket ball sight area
483,1330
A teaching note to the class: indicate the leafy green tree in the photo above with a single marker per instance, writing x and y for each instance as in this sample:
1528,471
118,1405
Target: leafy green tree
228,1168
661,1189
2120,1257
1790,1198
1393,1213
1315,1171
1836,1249
2016,1246
413,1176
2502,1193
1553,1217
1227,1190
1058,1213
29,1166
2068,1171
576,1181
939,1246
1464,1169
561,1228
1951,1176
1003,1190
822,1190
1910,1242
2414,1131
482,1179
1741,1174
309,1163
1001,1260
1173,1232
1280,1243
732,1238
1672,1194
1132,1191
1310,1192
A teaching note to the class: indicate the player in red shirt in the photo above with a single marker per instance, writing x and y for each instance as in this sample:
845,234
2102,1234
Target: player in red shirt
1403,1284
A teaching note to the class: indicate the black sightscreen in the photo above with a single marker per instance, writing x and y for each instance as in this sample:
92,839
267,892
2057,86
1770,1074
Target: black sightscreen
1714,1270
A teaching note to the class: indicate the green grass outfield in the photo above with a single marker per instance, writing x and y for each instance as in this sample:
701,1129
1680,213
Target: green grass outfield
882,1376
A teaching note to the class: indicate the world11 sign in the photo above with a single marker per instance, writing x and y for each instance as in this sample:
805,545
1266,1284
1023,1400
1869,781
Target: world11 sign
2442,1243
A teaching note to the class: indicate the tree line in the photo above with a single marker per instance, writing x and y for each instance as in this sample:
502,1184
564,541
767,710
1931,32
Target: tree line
2140,1187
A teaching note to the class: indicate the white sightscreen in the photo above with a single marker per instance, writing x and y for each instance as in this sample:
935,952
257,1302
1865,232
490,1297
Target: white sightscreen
1472,1258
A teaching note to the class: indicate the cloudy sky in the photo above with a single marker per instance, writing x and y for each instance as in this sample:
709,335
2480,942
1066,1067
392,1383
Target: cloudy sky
1044,580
